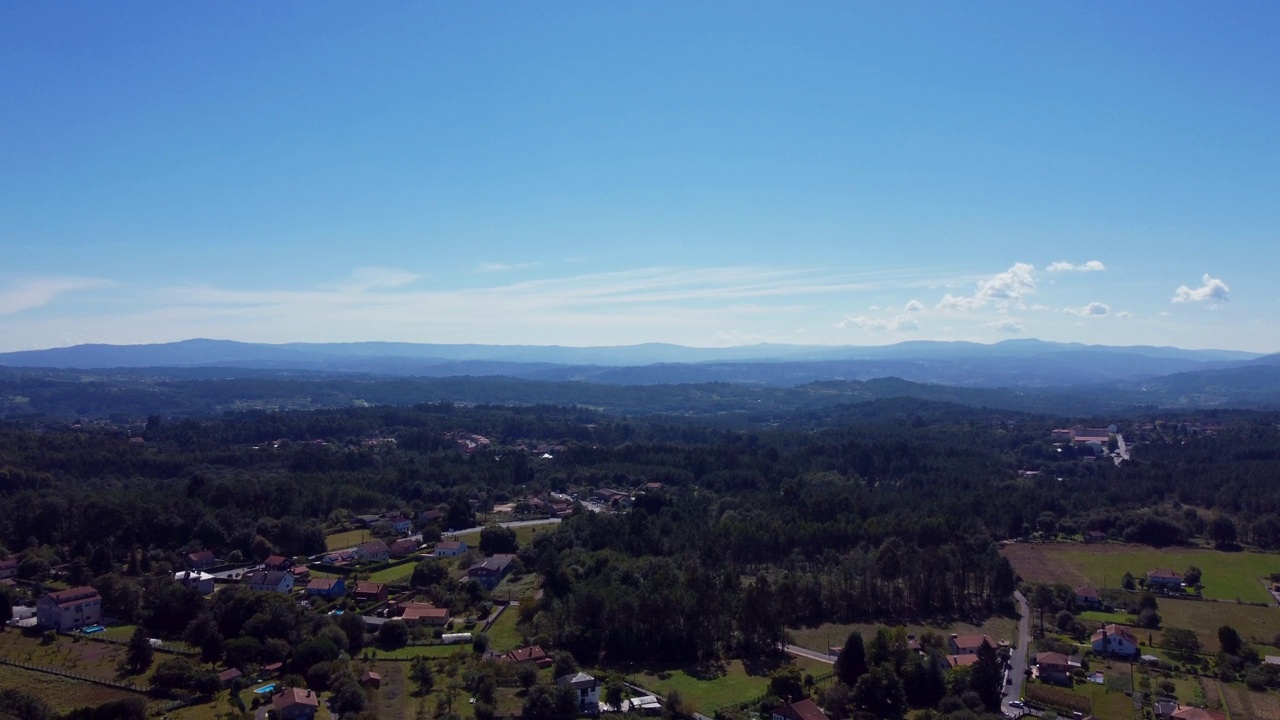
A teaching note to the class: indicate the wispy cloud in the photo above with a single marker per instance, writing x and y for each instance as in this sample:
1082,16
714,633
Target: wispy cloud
901,323
494,267
40,291
1093,309
1212,290
1006,325
915,306
1090,266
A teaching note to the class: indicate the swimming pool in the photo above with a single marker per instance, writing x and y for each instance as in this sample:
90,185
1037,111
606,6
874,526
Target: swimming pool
265,689
91,629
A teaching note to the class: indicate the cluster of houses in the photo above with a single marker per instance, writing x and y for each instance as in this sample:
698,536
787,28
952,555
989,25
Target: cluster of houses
1085,438
963,648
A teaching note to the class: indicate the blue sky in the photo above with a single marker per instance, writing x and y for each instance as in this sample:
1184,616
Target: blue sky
615,173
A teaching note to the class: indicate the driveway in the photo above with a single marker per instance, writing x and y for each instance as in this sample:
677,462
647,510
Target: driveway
809,654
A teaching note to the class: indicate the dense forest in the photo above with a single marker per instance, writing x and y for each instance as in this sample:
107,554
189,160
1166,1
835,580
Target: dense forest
876,512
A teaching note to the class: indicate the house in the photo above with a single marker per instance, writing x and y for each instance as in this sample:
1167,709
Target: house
534,654
399,523
587,689
1053,668
300,573
425,613
371,679
1095,536
653,487
8,568
1164,578
226,676
373,551
491,571
1088,597
1164,708
339,558
277,562
69,609
269,581
202,560
802,710
195,580
367,520
955,661
331,589
369,592
295,703
430,517
968,644
403,547
449,548
1115,640
1195,713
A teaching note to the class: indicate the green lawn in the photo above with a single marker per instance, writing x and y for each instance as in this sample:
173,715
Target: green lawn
395,575
503,634
350,538
412,651
1226,575
707,690
823,636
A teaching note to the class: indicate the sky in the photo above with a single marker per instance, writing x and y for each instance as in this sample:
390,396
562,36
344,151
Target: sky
610,173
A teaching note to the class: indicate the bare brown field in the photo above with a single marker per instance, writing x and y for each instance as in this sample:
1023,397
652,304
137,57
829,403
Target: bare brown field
1245,704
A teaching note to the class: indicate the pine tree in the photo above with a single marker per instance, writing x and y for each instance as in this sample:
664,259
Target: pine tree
852,662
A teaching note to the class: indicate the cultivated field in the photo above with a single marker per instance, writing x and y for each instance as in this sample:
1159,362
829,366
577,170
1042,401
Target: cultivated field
63,694
1226,575
821,637
1244,704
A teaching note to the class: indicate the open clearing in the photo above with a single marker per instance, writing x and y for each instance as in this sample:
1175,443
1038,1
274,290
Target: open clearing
63,694
503,635
1226,575
1257,625
822,637
706,689
343,540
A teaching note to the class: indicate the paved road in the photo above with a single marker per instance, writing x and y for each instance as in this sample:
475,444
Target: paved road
806,653
1018,660
1122,450
513,524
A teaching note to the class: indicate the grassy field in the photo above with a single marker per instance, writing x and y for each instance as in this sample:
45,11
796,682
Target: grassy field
413,651
503,635
350,538
708,689
823,636
394,575
93,659
521,589
1258,625
63,694
1226,575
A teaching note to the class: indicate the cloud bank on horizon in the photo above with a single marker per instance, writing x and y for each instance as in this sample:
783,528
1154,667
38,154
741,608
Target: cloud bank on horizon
694,306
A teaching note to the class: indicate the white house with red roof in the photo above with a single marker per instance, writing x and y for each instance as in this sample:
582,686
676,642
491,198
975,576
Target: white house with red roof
1115,640
1164,577
373,551
69,609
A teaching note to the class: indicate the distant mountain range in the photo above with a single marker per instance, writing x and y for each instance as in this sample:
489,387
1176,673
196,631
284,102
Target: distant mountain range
199,376
1013,363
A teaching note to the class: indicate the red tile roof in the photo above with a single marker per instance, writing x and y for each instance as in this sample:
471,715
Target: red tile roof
802,710
295,696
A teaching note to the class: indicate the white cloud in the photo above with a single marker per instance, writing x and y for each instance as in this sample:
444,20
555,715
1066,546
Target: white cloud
1093,309
1213,290
1124,315
1002,289
901,323
488,267
1091,266
1007,325
37,292
915,306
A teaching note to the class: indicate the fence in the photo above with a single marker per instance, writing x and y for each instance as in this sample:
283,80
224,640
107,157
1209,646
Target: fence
73,675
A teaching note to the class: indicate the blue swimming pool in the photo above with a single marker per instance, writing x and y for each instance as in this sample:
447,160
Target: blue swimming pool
91,629
265,689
